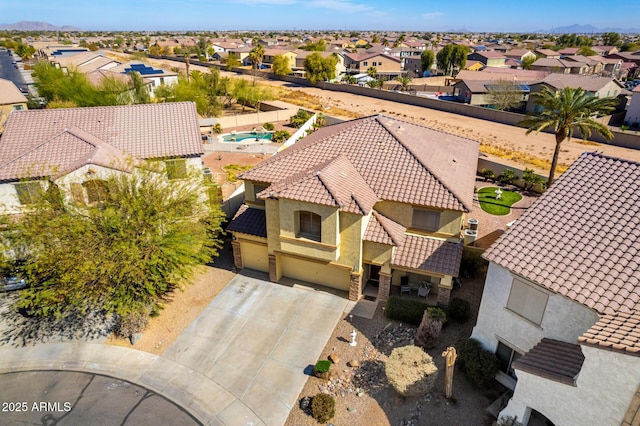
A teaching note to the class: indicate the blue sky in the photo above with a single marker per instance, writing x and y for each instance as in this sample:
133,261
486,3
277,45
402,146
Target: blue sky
404,15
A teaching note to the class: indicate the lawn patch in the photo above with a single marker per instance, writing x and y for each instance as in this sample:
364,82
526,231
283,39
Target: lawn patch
497,207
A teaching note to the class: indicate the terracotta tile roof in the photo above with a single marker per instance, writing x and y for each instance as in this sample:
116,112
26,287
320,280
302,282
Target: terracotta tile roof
142,131
399,161
10,94
428,254
249,221
554,360
495,73
335,182
581,238
618,332
383,230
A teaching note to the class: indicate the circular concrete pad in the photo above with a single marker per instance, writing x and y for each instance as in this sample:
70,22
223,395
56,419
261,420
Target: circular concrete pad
74,398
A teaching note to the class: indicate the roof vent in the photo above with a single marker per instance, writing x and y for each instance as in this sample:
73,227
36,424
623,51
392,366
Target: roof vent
342,174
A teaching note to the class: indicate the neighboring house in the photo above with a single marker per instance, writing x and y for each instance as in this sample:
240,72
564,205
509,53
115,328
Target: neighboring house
561,301
388,67
560,66
85,62
596,66
605,50
520,54
610,67
270,54
547,53
569,51
77,148
488,58
157,76
368,201
11,99
602,87
474,66
472,87
632,117
301,55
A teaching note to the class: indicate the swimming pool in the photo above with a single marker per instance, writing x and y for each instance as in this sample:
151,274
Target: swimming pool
247,136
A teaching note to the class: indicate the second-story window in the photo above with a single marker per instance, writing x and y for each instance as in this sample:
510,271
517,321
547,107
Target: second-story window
527,301
425,220
310,225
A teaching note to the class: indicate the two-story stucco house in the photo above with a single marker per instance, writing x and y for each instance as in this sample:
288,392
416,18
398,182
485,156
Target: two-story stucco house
370,200
561,302
11,99
387,67
77,148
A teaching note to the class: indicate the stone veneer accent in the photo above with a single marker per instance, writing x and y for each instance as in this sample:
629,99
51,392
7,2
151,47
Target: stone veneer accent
355,286
237,254
384,287
273,276
444,293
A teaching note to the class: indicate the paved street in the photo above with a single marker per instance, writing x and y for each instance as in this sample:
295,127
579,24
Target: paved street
9,71
72,398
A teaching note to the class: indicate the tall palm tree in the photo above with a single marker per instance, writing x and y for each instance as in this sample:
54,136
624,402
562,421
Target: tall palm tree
566,110
255,56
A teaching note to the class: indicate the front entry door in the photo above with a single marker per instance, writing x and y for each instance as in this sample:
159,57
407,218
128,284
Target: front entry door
374,273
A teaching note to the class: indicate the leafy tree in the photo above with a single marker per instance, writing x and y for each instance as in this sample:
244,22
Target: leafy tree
404,82
316,46
567,110
426,60
142,237
318,68
505,95
375,39
528,61
280,136
349,79
611,39
281,65
299,118
586,51
629,47
25,51
232,61
451,57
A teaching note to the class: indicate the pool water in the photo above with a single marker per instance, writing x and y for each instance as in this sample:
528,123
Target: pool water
241,136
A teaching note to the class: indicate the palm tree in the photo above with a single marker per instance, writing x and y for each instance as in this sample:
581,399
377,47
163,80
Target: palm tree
565,111
372,72
404,81
255,56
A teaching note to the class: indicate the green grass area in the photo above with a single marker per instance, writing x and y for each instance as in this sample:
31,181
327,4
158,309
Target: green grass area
501,207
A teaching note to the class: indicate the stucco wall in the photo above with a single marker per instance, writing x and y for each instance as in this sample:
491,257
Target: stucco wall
563,318
329,246
376,253
350,239
450,221
605,387
633,110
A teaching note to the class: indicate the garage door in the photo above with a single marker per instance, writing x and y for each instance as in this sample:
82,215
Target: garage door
254,256
317,273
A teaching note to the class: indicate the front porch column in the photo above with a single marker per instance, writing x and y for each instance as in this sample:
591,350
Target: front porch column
384,287
273,275
355,286
443,296
237,254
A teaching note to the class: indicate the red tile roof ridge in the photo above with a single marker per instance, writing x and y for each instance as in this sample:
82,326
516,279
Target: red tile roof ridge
384,222
316,137
465,203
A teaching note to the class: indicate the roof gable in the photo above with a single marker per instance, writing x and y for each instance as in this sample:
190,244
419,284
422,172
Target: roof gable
142,131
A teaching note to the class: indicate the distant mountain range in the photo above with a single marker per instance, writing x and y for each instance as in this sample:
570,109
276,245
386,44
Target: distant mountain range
588,29
36,26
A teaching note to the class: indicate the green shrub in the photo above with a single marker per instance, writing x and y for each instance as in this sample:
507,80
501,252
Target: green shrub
280,136
323,407
299,119
459,309
268,126
322,366
478,365
216,128
507,177
411,311
487,174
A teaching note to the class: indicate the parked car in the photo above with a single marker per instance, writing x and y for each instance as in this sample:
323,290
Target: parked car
12,283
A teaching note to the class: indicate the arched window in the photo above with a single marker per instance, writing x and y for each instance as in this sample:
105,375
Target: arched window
309,225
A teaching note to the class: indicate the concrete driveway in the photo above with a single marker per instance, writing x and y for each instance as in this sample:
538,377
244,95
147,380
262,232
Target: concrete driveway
255,339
